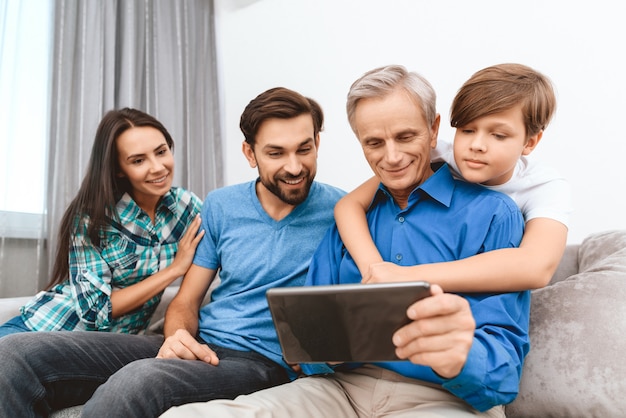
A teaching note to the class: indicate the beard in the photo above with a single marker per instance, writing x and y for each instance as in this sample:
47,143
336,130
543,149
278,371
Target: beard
293,196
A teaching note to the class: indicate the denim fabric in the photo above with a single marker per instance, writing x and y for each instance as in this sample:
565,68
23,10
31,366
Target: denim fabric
44,371
12,326
159,384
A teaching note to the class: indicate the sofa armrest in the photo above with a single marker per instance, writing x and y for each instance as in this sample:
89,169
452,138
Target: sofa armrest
575,365
10,307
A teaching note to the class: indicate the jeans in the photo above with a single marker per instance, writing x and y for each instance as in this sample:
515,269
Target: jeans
116,375
12,326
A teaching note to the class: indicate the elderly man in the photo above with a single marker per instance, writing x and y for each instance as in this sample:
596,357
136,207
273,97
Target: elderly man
464,352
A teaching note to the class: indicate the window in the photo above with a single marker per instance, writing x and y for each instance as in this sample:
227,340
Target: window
25,45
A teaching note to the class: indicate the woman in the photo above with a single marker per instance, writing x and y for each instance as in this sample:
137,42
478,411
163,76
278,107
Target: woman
122,239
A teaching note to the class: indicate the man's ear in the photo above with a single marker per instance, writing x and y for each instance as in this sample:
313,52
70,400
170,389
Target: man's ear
317,144
532,142
248,152
435,131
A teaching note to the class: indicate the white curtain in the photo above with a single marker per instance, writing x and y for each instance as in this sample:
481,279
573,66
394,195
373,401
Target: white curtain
154,55
25,29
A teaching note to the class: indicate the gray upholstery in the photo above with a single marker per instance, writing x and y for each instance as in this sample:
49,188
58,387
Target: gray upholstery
575,366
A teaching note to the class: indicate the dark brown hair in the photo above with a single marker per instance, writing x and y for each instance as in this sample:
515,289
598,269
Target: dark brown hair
101,187
281,103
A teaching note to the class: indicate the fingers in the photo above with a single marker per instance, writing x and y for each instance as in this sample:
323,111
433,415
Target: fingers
447,361
183,345
192,236
440,335
187,247
438,304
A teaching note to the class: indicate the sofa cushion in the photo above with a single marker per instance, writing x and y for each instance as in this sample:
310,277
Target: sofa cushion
576,363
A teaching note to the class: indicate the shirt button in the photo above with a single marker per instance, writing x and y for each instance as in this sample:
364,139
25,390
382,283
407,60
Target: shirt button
401,219
398,257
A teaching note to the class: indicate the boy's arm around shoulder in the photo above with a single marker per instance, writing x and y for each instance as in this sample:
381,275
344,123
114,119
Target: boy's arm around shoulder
529,266
352,224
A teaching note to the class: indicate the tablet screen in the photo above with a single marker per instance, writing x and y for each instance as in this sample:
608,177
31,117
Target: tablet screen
337,323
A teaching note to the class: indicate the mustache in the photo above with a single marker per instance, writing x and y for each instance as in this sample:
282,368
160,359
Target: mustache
288,176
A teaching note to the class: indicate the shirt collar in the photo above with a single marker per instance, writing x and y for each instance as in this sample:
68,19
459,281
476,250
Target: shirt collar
129,210
439,186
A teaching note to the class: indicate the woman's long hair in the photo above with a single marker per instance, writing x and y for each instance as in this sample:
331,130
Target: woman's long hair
101,187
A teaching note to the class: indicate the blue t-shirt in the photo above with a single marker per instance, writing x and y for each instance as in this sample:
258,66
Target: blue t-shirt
446,220
253,253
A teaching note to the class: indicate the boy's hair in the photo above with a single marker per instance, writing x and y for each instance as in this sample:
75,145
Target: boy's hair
501,87
281,103
382,81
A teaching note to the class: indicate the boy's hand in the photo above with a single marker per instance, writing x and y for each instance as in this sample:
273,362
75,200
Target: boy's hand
440,334
386,272
184,346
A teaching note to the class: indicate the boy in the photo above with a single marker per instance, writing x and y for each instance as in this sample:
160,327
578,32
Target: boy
500,115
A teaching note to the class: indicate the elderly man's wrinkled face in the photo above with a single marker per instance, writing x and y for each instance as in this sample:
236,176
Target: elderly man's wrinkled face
396,141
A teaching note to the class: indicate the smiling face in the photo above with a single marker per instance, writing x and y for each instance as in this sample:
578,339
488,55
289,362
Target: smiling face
487,149
147,162
396,141
285,153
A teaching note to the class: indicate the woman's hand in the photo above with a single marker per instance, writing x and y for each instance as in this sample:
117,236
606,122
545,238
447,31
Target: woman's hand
187,247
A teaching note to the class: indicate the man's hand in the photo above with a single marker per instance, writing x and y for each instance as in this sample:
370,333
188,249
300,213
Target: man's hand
440,334
184,346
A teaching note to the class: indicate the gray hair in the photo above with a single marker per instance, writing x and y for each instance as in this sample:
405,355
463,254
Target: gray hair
383,80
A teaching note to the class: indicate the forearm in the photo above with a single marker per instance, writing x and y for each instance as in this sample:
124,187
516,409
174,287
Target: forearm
132,297
530,266
484,386
354,231
182,312
504,270
493,369
180,315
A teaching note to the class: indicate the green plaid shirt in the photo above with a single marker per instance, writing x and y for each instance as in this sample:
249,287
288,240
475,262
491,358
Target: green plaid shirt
130,251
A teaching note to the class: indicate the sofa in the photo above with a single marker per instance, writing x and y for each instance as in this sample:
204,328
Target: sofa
578,335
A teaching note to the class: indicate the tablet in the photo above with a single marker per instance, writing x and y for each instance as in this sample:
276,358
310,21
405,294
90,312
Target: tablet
341,323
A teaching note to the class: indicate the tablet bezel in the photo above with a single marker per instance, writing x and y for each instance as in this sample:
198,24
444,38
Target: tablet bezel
342,323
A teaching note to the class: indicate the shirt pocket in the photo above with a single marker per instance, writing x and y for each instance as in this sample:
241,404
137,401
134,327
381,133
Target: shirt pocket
120,253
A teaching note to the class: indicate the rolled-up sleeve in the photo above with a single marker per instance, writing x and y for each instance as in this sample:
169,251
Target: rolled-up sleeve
90,279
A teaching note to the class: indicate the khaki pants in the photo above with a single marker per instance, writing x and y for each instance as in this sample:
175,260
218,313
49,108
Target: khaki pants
368,391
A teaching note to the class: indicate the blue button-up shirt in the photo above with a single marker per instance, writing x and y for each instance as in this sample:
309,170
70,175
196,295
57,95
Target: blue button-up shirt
446,220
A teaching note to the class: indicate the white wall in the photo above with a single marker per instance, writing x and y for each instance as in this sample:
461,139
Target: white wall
320,47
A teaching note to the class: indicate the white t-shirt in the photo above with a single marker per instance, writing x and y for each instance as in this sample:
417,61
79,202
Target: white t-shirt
538,190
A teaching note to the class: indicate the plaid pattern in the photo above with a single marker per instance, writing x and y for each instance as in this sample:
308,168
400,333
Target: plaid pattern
130,251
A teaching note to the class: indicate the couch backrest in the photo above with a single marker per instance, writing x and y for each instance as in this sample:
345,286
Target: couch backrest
568,264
